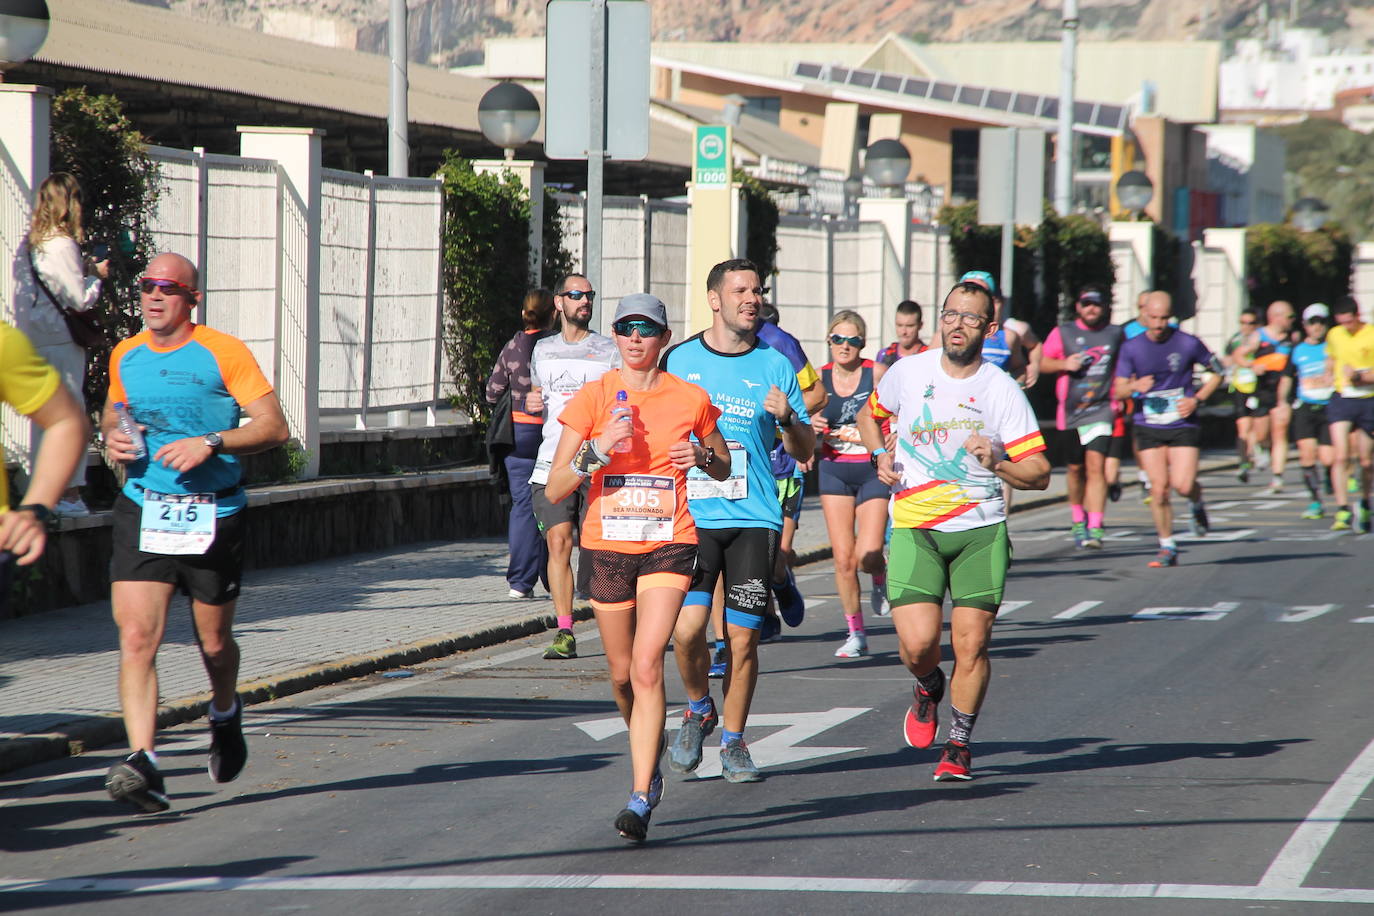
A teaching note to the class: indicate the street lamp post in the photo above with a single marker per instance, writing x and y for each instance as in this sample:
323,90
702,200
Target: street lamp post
23,29
1135,190
509,115
886,164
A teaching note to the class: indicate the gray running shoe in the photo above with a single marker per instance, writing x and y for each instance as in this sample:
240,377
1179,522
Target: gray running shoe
736,765
685,754
135,780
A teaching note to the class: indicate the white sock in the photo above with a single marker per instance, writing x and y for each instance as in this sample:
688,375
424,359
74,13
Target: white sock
218,716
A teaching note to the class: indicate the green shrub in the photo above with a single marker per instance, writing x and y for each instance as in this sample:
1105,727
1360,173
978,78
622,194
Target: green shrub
761,235
1283,262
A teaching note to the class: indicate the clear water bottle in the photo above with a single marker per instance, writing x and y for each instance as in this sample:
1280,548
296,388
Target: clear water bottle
622,408
129,428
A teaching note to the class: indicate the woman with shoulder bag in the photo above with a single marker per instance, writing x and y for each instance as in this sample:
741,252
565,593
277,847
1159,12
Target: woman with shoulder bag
54,277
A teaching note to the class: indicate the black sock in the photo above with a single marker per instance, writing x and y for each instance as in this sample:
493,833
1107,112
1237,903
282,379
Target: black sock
961,725
933,683
1313,481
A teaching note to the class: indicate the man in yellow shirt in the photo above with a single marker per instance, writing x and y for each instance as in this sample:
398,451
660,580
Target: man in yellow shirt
1350,354
32,387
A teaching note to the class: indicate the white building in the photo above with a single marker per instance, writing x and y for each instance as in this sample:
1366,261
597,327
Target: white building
1293,70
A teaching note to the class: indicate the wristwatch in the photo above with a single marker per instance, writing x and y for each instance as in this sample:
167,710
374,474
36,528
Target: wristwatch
214,440
710,458
40,512
789,419
873,456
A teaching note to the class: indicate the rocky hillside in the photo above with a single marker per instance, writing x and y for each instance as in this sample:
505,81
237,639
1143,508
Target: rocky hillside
450,32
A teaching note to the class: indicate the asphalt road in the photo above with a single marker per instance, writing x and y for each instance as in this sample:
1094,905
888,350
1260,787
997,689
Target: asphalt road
1190,740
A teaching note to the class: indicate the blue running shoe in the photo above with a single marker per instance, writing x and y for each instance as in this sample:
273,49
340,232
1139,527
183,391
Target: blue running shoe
719,662
791,605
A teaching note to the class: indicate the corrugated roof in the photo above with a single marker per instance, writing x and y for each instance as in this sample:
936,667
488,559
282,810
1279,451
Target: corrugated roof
145,42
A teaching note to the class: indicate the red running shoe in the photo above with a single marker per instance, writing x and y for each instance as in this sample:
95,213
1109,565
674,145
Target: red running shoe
955,764
922,719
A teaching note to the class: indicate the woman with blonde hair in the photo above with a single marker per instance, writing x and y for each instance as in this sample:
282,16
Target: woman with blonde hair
53,269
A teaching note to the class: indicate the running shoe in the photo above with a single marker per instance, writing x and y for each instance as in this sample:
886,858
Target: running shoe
719,661
1314,510
1167,556
1114,491
877,599
791,604
71,508
1198,525
1080,533
656,781
685,754
856,646
1342,522
1361,520
1274,489
736,765
1094,539
1243,472
136,780
633,825
1261,458
228,750
771,629
564,645
955,764
922,719
519,595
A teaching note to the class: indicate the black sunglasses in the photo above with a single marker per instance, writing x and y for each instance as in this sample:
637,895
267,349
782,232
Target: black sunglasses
838,339
576,295
148,284
627,326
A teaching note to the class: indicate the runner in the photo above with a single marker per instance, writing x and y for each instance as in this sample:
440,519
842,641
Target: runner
850,490
1350,348
638,534
738,521
559,366
178,522
1158,366
955,417
1265,356
1243,382
1083,353
1309,373
908,323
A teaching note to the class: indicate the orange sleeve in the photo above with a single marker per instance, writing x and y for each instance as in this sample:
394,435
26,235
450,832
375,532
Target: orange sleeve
876,408
121,350
242,377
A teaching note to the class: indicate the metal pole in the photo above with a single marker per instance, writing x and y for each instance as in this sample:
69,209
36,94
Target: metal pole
1063,160
398,142
596,154
1009,223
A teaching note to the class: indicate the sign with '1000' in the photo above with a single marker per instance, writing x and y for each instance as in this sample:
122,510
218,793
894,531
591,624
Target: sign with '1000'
711,159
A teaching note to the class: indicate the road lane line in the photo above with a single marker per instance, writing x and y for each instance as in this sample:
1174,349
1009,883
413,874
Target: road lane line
1304,847
1009,606
1081,607
677,882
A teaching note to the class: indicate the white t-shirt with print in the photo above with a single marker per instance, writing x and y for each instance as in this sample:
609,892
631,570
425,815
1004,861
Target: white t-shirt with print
560,369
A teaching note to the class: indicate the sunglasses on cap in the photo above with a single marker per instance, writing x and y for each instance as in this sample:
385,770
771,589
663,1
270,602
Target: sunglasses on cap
840,339
627,326
168,287
577,295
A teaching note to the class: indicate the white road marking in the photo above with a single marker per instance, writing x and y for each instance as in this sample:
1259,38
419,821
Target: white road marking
1306,612
1081,607
1304,847
1009,606
678,882
776,749
1215,612
1364,619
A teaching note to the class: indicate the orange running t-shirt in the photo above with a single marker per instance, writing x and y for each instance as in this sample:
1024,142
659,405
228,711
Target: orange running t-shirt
639,501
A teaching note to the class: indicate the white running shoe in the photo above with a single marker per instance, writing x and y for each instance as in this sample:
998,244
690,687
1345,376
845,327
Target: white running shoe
878,601
856,646
519,595
71,508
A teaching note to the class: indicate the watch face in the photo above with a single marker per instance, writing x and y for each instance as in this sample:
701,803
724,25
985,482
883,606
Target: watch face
214,440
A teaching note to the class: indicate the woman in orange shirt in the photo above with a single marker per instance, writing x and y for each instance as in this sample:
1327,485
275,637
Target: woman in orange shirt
629,431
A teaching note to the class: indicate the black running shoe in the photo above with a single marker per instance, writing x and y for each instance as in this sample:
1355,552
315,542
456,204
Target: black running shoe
136,780
228,750
632,825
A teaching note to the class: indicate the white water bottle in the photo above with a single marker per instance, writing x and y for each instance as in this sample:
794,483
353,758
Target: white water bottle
621,409
129,428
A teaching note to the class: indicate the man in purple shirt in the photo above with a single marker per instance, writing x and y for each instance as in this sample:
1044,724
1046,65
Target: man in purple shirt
1158,366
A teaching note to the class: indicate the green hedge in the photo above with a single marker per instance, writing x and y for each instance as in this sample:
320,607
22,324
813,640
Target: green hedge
1283,262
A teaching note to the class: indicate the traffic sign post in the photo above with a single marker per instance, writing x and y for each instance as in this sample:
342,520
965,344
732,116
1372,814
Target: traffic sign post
1011,186
710,161
715,216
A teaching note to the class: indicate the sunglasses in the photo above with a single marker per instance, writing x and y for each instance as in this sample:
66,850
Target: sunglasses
577,295
148,284
628,326
840,339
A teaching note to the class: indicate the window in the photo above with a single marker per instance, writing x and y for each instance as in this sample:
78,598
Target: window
764,107
963,164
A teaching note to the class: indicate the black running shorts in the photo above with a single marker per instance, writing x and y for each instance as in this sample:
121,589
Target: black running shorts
212,577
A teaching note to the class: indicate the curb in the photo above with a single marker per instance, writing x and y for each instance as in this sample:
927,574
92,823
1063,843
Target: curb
75,738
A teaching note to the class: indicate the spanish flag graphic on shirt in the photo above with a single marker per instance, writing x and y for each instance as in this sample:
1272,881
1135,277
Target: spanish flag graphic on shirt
942,486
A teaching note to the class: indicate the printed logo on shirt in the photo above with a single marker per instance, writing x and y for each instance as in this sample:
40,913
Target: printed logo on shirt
1175,361
751,385
930,391
693,376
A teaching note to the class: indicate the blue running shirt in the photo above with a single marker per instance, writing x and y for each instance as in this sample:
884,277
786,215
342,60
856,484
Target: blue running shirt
738,384
1307,366
189,390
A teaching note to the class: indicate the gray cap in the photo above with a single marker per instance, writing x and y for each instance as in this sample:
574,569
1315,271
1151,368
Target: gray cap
642,305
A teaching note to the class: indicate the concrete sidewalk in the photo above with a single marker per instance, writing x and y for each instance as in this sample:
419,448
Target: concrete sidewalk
297,628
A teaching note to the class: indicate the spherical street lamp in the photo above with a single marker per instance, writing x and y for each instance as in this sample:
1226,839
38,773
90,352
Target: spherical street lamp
508,115
886,163
23,29
1135,190
1309,214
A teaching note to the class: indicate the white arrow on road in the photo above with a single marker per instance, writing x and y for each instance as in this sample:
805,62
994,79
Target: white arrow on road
1215,612
1306,612
776,749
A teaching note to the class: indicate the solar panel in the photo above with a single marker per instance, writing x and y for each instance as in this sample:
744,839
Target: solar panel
1110,116
810,71
998,99
918,88
862,78
943,92
1083,112
970,95
1025,103
1050,108
839,74
889,83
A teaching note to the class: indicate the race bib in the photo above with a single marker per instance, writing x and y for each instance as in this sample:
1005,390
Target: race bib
175,524
637,507
1161,407
736,486
1090,431
1317,388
